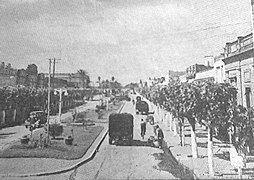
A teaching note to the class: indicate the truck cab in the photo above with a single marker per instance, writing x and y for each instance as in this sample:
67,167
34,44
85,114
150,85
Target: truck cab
142,107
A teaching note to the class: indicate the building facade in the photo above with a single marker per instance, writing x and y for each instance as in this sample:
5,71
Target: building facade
7,75
73,79
219,69
239,64
195,69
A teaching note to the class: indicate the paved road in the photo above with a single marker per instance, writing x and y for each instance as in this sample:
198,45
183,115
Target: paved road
120,162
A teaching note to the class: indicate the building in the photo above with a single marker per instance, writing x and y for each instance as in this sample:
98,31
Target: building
73,79
7,75
207,75
239,64
219,69
192,70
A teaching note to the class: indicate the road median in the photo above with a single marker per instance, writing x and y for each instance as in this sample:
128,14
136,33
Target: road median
90,154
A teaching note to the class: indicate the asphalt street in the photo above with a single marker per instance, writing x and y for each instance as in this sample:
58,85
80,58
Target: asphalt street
119,161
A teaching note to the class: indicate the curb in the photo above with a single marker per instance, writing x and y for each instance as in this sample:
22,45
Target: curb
75,166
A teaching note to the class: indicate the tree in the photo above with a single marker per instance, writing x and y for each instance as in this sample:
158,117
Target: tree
99,80
216,101
84,77
113,79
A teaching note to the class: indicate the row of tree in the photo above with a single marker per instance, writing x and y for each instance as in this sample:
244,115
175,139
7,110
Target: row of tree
109,84
17,103
213,105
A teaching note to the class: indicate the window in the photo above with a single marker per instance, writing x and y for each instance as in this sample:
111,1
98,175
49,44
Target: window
233,81
246,75
247,96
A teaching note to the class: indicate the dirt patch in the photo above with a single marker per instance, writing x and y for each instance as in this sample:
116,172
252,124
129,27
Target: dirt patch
83,139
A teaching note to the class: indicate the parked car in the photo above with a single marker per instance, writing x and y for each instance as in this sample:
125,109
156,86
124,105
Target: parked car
36,118
120,128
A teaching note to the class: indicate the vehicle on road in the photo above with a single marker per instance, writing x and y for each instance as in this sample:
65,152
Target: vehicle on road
36,118
138,98
150,119
120,128
142,107
122,98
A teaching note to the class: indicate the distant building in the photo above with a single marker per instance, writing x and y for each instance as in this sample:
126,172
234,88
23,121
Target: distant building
219,69
174,75
72,79
7,75
239,64
192,70
207,75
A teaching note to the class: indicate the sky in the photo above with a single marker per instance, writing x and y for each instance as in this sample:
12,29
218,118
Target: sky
127,39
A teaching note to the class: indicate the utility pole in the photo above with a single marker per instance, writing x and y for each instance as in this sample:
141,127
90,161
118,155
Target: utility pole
48,100
54,69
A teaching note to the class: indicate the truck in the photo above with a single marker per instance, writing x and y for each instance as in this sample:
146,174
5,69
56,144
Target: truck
120,128
142,107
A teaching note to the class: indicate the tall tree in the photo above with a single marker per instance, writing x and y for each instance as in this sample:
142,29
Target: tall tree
84,77
99,80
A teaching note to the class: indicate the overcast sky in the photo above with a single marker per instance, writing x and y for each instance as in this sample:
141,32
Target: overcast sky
127,39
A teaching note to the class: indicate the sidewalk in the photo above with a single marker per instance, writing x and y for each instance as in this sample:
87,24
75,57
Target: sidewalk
222,166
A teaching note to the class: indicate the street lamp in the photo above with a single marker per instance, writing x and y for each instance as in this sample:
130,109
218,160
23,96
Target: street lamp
61,92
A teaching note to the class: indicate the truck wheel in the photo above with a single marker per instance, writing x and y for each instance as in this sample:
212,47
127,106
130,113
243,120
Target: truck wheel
129,142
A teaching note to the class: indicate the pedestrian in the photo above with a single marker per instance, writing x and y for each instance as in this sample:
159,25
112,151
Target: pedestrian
74,114
143,128
159,135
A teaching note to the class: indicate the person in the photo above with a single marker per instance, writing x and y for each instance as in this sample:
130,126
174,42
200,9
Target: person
143,128
159,135
74,114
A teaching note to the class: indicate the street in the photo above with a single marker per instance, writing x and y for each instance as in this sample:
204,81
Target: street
119,162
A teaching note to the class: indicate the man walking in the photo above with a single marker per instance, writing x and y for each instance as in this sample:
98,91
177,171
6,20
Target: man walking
160,135
143,128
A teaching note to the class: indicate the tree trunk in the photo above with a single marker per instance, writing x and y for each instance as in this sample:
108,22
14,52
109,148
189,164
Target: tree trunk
181,133
174,127
3,117
167,120
170,122
210,151
194,147
14,115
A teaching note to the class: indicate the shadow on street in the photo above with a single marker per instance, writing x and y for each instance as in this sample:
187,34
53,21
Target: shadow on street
169,163
134,143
